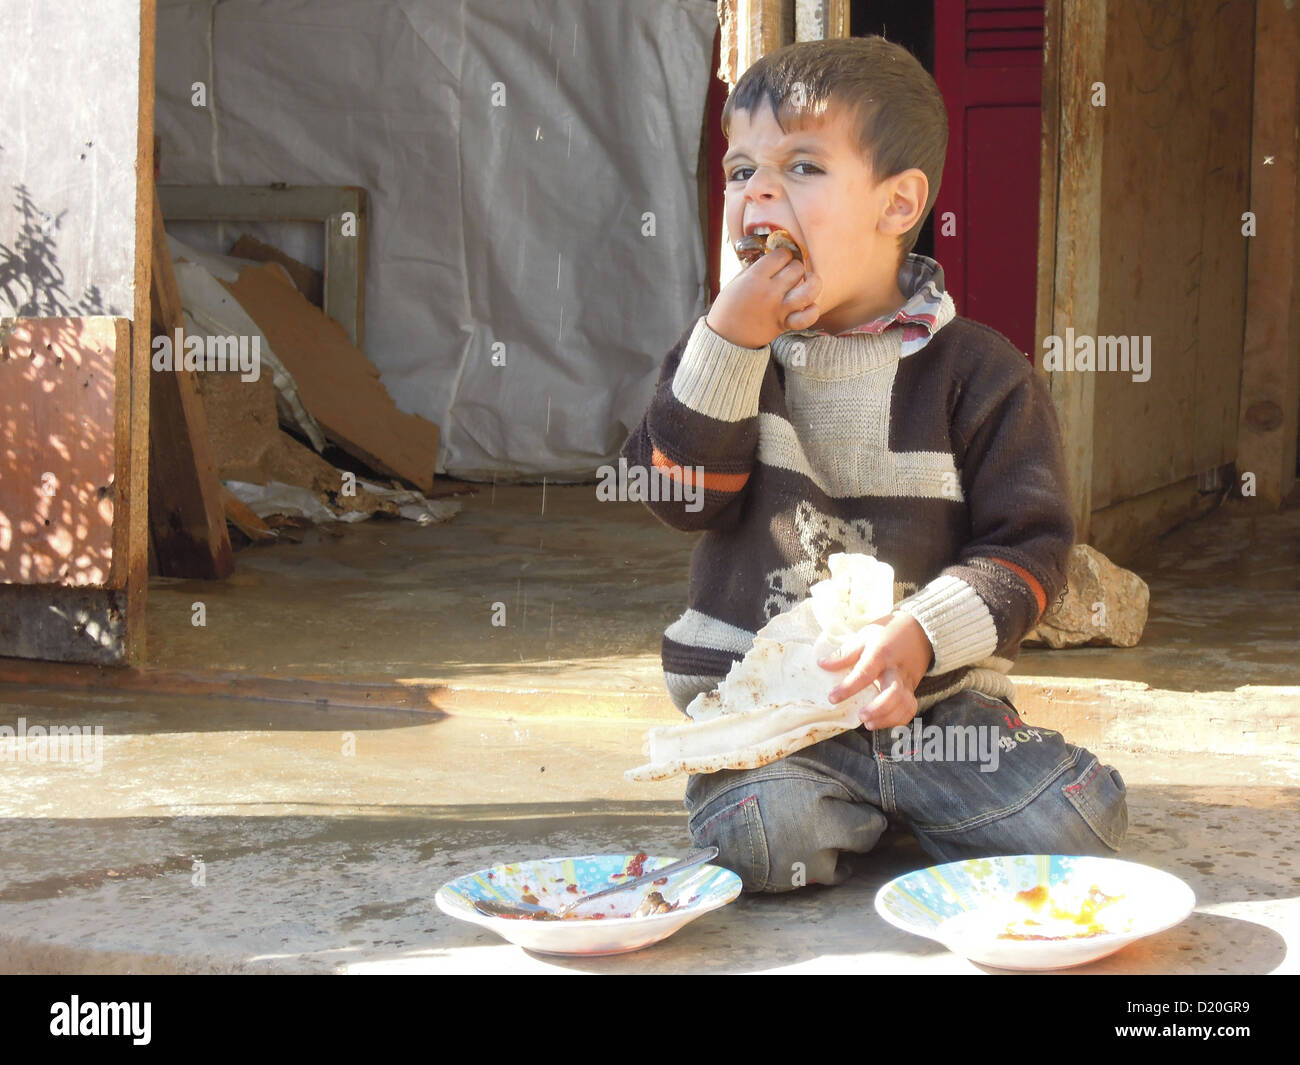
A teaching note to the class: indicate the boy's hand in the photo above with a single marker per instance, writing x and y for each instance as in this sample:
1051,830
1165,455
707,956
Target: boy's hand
767,298
895,653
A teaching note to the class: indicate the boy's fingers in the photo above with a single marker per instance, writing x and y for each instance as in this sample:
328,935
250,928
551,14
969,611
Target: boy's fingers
804,318
773,262
896,704
873,667
802,294
868,669
846,655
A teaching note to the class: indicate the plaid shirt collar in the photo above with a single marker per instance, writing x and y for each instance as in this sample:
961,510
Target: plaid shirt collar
928,307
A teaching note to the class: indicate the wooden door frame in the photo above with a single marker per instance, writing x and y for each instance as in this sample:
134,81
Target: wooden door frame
1069,205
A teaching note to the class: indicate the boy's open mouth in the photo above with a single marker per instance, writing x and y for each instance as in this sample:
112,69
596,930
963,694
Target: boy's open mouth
762,239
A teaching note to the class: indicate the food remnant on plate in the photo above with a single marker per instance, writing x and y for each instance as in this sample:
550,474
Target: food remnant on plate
1066,921
529,898
1034,897
652,904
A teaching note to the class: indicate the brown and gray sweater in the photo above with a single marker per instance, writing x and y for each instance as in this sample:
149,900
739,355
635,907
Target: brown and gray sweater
925,440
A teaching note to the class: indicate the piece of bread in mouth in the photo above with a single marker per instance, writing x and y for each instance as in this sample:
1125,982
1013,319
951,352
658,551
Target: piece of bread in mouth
753,247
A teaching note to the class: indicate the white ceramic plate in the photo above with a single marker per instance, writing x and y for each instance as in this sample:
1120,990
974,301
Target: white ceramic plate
554,881
971,907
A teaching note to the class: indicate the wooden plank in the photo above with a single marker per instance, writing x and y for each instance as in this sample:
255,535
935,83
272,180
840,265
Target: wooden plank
750,29
819,20
59,624
345,262
132,439
1222,260
1077,254
256,203
771,25
345,253
1174,186
1270,384
325,693
729,42
185,512
59,482
244,519
1048,178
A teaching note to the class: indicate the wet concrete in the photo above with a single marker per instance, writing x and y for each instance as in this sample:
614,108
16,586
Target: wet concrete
224,837
585,589
1225,610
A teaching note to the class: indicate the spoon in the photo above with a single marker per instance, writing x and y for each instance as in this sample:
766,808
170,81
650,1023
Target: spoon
496,908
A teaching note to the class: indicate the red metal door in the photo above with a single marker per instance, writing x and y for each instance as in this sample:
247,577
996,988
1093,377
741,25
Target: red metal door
988,60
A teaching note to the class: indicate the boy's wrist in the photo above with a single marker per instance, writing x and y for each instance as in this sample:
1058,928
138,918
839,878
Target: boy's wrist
920,653
732,334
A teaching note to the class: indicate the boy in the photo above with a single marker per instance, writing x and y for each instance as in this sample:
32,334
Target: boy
839,404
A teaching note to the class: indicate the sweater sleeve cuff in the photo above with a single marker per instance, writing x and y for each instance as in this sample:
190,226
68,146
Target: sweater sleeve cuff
718,378
956,620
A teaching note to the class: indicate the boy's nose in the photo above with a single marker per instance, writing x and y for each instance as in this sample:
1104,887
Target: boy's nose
763,182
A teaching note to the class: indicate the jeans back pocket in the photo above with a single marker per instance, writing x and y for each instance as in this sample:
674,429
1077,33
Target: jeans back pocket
1099,796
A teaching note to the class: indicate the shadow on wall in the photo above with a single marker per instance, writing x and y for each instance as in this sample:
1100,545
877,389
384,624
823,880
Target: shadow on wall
57,414
31,280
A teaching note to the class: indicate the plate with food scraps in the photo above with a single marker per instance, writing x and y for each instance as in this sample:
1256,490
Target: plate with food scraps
621,923
1035,911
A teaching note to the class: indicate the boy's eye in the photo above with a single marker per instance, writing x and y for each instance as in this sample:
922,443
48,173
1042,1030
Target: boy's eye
743,173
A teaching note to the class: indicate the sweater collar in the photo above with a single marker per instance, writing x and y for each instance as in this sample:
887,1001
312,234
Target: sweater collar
926,310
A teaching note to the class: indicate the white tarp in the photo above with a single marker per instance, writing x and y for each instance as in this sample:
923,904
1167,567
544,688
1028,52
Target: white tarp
532,173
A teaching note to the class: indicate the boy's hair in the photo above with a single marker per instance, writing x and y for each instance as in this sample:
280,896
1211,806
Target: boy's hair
901,120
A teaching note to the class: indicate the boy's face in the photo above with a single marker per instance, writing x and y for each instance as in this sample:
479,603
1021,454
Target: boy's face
815,183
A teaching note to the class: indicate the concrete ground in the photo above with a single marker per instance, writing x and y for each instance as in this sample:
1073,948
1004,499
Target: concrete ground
286,787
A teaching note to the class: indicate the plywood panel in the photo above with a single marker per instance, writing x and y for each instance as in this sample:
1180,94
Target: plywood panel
58,477
69,82
1177,121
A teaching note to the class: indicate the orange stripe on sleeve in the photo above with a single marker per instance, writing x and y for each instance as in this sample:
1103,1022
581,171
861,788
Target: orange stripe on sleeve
1039,595
718,482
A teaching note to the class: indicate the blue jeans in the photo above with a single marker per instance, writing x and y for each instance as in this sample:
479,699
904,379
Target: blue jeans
1002,787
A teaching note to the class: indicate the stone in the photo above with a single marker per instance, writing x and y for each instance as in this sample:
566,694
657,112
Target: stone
1104,605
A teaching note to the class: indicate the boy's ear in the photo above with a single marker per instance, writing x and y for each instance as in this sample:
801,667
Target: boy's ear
907,195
